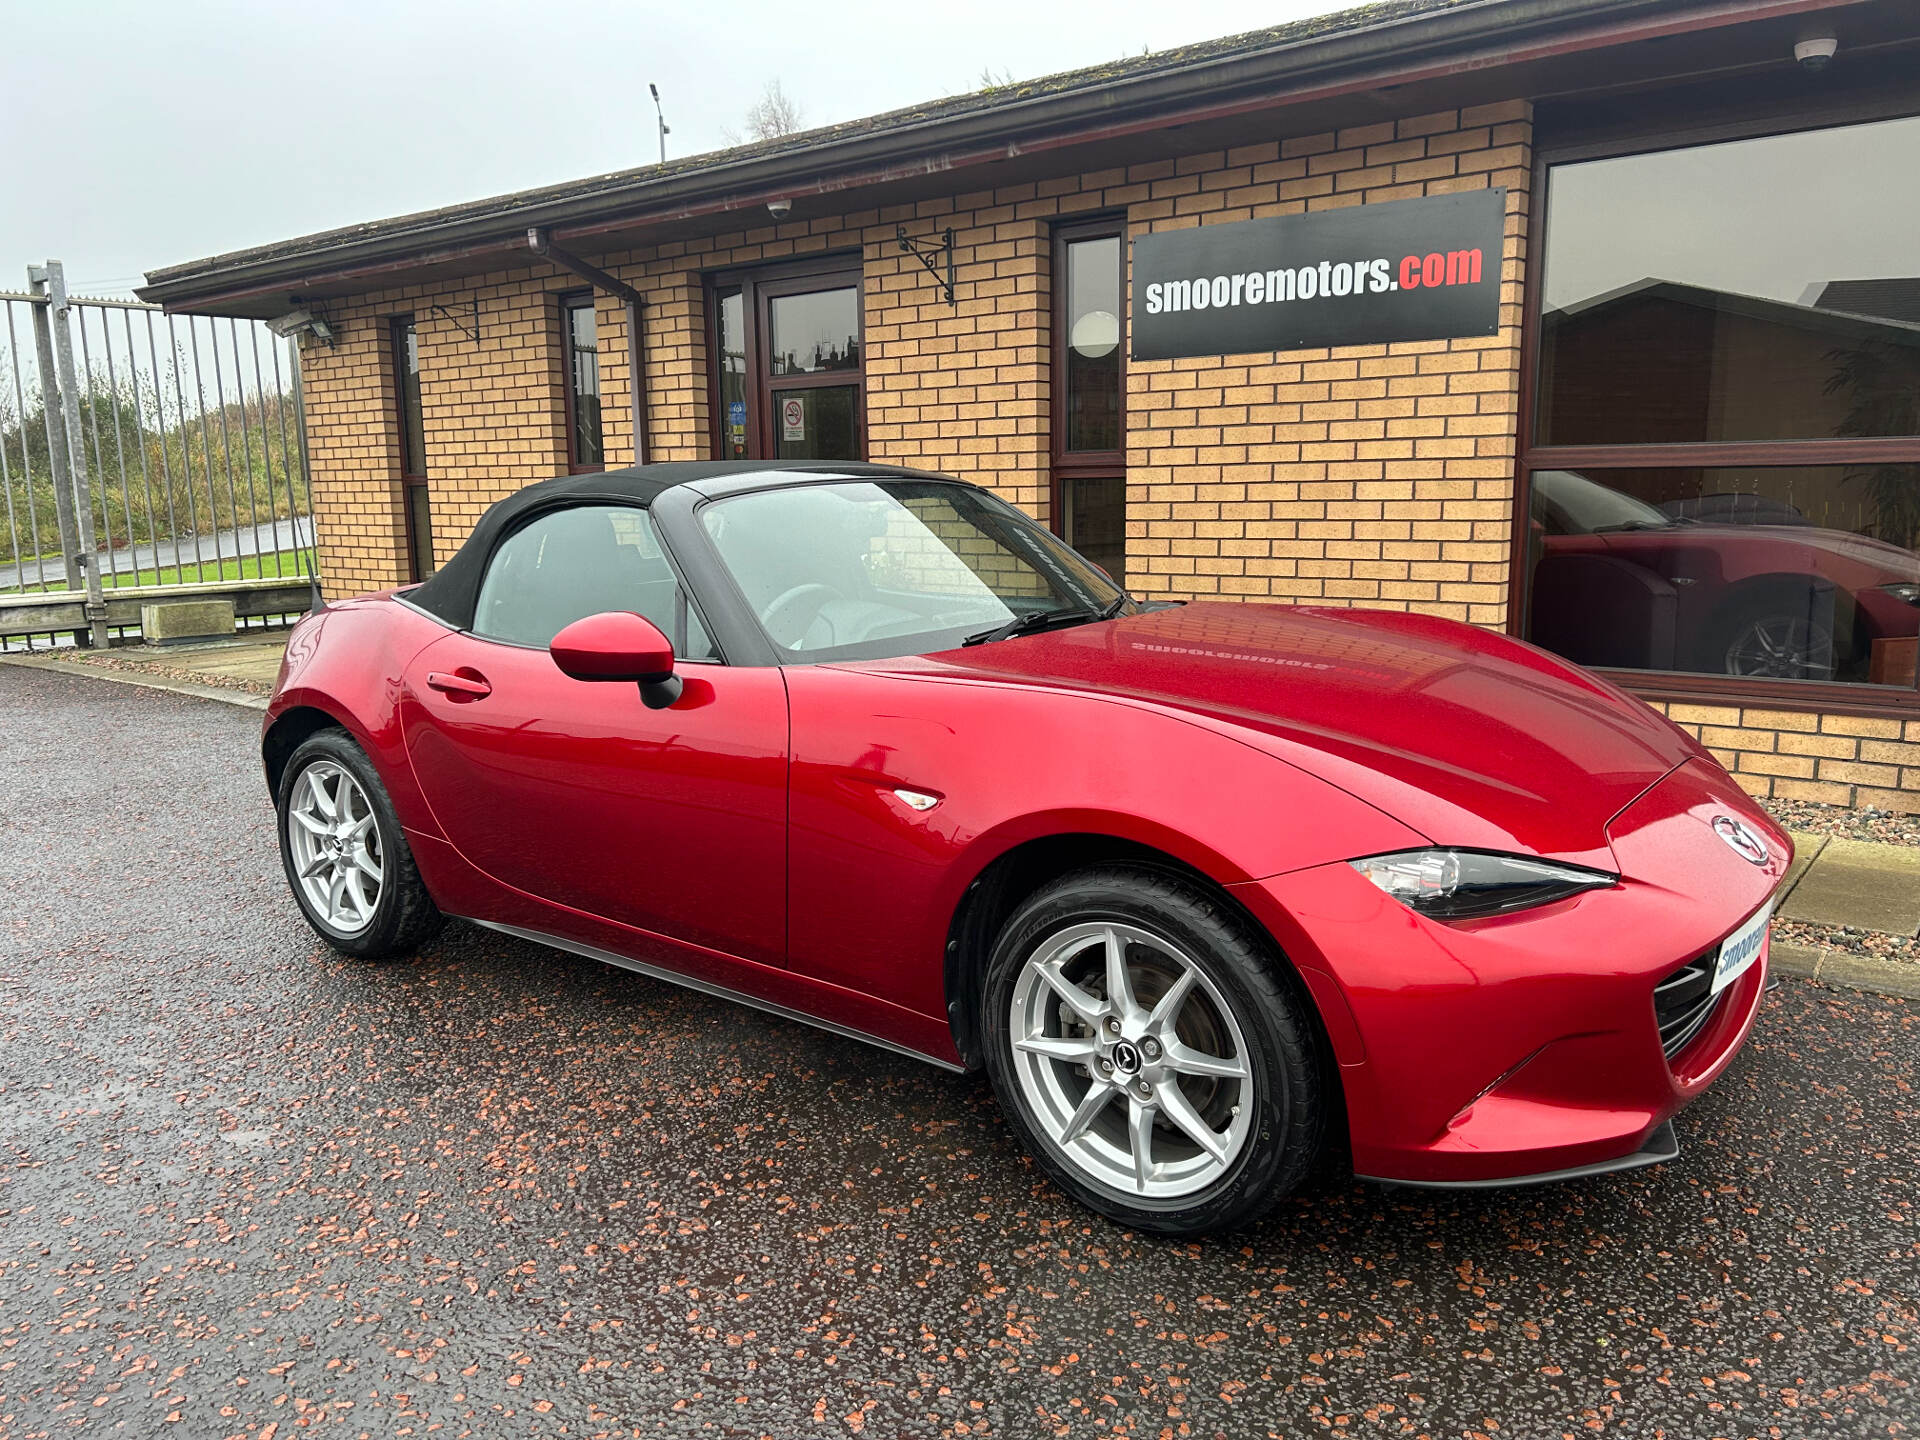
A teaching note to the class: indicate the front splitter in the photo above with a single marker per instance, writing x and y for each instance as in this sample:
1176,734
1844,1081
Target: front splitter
1660,1145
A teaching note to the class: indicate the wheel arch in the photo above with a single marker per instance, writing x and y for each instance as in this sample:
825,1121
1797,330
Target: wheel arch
1006,880
288,730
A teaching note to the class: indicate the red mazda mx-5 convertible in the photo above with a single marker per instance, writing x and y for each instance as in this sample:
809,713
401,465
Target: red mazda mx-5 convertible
1202,887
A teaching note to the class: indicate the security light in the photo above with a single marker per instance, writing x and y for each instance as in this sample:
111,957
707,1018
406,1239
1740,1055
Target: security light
297,322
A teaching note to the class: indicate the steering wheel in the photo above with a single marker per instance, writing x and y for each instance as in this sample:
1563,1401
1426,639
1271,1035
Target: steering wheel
789,614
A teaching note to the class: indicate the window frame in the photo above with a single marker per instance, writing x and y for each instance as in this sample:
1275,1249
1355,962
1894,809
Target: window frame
570,301
757,287
404,431
1734,691
1064,464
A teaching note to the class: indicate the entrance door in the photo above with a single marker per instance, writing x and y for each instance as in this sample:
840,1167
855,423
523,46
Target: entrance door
788,382
672,821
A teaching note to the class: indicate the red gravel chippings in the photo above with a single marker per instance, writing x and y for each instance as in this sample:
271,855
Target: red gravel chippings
146,664
250,1189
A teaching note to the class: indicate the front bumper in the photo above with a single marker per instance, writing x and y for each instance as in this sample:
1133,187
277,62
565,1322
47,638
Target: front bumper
1525,1047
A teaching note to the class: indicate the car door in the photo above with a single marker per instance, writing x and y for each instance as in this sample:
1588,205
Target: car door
672,821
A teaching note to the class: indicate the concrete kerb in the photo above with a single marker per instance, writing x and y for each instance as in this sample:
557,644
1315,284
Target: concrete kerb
144,680
1846,972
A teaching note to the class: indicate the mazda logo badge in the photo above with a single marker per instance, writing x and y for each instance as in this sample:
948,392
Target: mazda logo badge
1741,838
1126,1059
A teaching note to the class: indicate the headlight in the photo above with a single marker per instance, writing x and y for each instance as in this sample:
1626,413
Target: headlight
1906,590
1466,884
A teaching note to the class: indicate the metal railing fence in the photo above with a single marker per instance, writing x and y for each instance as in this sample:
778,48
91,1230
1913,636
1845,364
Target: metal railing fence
141,449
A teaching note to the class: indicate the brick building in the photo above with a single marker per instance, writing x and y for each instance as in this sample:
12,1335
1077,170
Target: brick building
1685,448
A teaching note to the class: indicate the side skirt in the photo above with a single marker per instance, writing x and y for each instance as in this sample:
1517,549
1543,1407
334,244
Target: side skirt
1659,1146
707,987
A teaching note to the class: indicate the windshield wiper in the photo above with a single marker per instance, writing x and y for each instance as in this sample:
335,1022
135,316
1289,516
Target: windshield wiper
1043,619
1027,623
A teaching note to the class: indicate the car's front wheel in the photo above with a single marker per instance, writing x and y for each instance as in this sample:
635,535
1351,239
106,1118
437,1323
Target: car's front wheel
1153,1052
345,854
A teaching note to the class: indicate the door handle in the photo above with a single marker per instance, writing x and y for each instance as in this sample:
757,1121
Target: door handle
470,685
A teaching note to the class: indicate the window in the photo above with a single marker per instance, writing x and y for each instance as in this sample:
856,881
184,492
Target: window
413,448
1089,421
895,567
585,560
787,377
1724,468
581,344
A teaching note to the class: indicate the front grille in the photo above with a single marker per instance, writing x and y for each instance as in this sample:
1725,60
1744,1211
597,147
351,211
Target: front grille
1682,1003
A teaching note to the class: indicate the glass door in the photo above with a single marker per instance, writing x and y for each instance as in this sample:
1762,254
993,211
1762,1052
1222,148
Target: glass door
788,383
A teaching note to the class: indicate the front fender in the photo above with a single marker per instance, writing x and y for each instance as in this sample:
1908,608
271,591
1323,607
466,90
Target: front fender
875,884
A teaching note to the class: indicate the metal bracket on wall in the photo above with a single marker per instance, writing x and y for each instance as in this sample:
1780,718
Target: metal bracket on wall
454,320
928,253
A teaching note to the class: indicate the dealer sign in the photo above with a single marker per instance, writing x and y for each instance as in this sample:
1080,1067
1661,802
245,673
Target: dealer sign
1404,270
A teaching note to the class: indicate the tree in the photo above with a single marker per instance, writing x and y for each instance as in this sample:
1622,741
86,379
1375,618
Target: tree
774,114
1882,384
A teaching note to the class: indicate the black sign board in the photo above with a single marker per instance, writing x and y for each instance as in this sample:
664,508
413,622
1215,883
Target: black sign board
1424,269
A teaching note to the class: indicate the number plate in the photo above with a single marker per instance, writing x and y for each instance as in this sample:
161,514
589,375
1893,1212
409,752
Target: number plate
1741,949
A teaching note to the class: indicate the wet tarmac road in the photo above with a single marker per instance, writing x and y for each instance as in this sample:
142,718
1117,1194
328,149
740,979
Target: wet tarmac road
248,1188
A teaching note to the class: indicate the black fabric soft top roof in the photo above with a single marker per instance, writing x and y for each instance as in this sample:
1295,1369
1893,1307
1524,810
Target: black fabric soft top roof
452,590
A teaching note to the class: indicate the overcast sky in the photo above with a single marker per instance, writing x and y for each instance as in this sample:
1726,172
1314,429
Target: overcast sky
1773,217
139,134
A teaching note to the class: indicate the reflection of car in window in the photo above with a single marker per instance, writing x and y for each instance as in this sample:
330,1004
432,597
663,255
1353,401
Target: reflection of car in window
1734,509
1618,582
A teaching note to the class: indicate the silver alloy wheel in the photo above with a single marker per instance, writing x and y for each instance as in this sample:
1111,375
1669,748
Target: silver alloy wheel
1131,1060
1781,647
335,844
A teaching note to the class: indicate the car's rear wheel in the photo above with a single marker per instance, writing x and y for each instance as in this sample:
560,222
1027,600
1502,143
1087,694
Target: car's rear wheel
345,855
1153,1051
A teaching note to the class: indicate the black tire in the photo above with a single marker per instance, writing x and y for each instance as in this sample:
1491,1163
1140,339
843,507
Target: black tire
1290,1094
404,915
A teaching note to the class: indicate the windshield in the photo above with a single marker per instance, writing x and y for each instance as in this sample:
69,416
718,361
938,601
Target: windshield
868,569
1571,504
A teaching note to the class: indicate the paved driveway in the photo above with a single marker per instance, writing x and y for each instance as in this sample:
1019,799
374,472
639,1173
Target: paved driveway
256,1190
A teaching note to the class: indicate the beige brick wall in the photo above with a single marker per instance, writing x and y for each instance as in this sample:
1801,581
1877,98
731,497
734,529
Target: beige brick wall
1377,475
957,388
494,415
1799,755
353,451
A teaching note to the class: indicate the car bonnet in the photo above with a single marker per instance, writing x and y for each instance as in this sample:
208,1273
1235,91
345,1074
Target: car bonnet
1471,738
